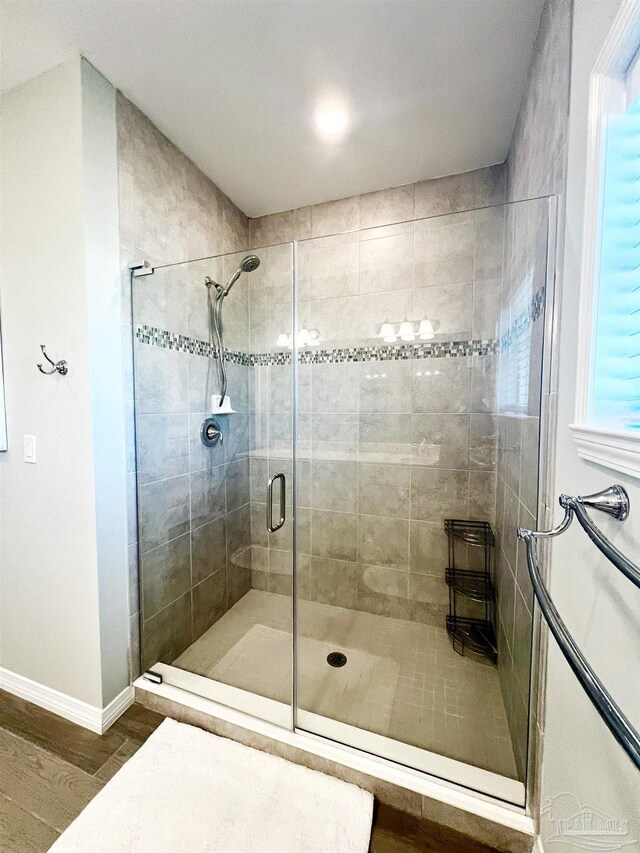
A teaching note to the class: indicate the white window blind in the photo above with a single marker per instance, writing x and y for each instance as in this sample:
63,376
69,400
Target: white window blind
615,402
515,368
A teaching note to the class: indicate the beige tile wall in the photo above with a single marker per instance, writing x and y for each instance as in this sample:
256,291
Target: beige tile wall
169,212
388,449
455,193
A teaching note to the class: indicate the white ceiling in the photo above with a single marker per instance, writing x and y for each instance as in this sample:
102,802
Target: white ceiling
432,86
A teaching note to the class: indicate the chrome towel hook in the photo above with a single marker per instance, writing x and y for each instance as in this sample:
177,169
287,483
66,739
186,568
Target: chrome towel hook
60,367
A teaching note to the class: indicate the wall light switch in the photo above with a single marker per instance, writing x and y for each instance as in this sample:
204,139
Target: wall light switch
29,448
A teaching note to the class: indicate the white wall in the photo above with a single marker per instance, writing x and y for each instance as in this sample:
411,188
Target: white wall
601,608
62,521
104,316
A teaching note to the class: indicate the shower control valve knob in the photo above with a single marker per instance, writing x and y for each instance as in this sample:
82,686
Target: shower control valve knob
210,432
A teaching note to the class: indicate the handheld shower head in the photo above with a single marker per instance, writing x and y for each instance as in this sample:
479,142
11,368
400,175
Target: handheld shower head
248,264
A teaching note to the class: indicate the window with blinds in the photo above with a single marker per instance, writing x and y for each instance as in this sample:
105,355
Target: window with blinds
606,429
615,400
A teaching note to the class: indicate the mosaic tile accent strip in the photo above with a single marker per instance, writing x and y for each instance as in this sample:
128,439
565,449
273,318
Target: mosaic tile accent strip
265,358
402,352
182,343
340,355
524,321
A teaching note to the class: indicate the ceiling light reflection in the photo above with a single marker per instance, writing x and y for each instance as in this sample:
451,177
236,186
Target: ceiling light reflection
331,121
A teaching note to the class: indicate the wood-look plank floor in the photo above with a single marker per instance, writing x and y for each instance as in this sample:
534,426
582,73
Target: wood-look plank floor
51,768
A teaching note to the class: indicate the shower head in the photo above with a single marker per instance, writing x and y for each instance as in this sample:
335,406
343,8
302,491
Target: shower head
248,264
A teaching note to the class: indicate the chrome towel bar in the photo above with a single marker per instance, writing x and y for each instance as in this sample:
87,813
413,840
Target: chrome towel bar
615,502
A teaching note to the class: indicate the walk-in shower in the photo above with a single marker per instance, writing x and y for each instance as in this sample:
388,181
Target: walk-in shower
248,264
381,444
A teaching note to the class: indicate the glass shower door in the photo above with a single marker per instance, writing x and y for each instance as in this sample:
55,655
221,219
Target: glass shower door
419,375
215,583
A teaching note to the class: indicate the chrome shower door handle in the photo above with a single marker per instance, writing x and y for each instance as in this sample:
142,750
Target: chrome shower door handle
271,527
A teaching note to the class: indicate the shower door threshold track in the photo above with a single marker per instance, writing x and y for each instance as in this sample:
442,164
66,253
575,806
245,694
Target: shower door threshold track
473,789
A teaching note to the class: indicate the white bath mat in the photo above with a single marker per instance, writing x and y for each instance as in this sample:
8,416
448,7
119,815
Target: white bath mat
188,791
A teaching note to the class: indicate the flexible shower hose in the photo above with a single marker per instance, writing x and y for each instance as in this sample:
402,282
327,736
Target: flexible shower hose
215,321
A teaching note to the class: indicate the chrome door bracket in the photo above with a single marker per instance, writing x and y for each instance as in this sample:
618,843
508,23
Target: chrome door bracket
141,268
152,676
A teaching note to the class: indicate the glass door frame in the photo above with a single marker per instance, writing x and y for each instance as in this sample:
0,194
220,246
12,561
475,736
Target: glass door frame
254,704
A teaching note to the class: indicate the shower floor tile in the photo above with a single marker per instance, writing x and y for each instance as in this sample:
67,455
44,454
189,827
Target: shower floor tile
402,679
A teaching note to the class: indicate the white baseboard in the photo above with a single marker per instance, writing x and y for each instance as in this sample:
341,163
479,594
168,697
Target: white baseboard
88,716
117,707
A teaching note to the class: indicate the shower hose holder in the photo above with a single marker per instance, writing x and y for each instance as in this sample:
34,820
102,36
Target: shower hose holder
218,409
